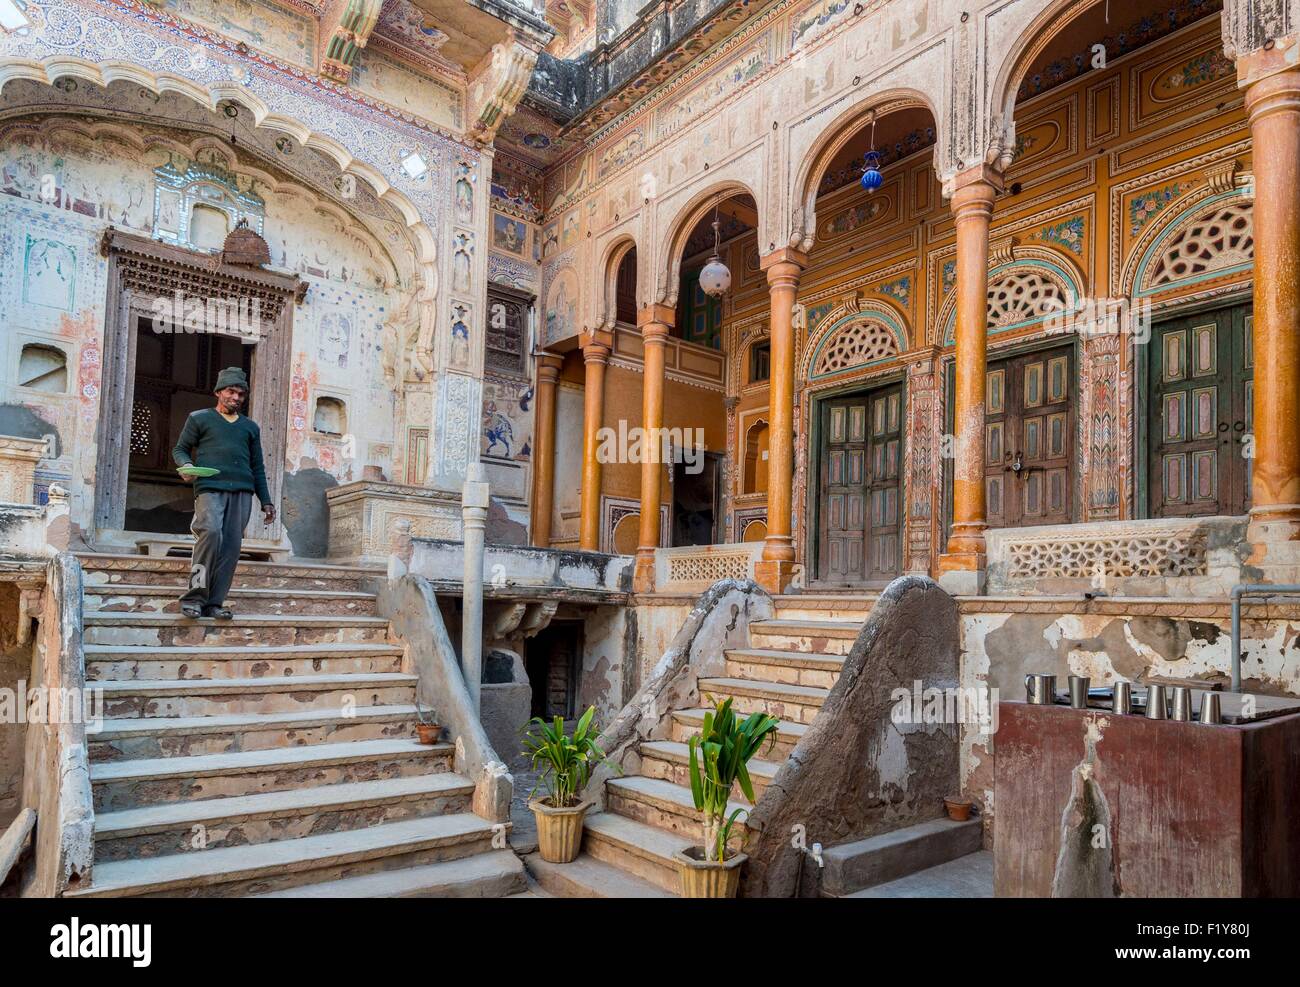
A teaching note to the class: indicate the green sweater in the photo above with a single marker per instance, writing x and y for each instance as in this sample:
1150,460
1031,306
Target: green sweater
235,448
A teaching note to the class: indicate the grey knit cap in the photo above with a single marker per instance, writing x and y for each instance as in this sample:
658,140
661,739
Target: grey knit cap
231,377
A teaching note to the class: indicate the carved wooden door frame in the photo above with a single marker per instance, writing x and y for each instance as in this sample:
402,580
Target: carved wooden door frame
142,270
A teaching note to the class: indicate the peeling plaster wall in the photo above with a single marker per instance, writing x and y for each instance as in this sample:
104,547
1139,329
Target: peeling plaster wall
1190,643
657,622
15,664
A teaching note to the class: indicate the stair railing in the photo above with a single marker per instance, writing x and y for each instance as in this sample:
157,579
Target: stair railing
719,621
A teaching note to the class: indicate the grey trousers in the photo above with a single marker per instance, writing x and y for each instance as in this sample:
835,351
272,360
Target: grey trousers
219,520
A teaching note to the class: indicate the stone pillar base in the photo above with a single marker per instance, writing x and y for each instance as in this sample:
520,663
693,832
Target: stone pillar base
1274,539
643,576
774,575
963,574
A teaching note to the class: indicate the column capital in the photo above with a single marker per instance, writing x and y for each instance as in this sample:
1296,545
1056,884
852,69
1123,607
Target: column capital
548,365
1255,66
1278,91
656,313
973,183
596,345
784,266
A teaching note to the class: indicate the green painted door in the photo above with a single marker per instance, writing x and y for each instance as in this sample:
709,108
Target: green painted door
1199,414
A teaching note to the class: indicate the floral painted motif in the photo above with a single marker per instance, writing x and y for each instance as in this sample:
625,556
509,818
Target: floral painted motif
1067,233
1143,208
852,218
948,278
900,290
1205,67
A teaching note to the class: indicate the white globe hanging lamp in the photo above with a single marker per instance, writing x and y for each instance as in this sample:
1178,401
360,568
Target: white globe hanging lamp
715,277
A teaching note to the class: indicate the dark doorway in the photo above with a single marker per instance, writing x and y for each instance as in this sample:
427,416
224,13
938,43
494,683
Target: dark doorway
174,375
553,660
695,499
1029,439
1200,387
860,460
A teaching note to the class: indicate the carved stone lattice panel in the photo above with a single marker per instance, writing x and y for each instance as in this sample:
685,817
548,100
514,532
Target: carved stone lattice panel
854,345
1218,240
707,565
1023,296
1173,553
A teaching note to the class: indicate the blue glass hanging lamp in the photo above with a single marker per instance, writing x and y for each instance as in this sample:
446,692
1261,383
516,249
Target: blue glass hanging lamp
871,177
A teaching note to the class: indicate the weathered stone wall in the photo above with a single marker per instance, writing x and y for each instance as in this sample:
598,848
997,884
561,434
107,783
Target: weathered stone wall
857,772
1108,639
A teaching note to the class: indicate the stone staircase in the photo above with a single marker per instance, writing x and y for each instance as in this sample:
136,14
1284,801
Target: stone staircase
795,658
271,754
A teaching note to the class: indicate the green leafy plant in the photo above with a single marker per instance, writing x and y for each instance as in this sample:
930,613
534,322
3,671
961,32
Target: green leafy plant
566,762
719,758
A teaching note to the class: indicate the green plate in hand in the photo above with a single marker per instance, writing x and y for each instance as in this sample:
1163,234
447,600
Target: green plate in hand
197,471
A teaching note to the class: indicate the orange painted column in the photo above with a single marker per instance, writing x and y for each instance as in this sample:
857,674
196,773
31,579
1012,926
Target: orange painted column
655,322
962,566
548,374
775,569
1273,106
595,357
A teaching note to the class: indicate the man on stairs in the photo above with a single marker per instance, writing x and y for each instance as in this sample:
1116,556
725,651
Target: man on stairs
223,439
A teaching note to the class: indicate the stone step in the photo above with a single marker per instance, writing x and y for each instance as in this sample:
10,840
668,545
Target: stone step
824,606
790,667
215,697
636,848
101,568
264,867
665,806
687,722
827,637
119,740
970,876
799,703
670,761
886,857
496,874
176,630
209,824
133,662
155,781
144,598
587,877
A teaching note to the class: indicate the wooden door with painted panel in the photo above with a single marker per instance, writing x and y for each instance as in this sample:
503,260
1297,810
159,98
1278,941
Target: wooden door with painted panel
1200,391
1028,439
859,521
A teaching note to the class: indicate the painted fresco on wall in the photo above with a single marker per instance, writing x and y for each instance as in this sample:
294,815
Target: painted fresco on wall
286,34
61,190
389,80
507,419
562,306
509,234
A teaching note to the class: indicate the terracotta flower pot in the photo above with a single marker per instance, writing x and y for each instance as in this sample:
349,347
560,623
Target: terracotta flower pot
559,831
958,808
709,878
428,732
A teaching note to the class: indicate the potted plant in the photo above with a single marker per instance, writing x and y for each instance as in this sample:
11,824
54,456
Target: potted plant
959,807
566,763
719,758
428,729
